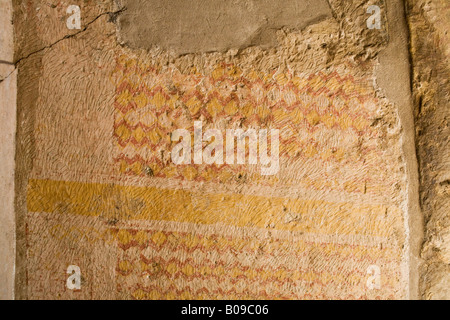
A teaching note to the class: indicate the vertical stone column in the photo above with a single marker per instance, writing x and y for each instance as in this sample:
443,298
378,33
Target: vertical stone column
395,85
429,22
8,80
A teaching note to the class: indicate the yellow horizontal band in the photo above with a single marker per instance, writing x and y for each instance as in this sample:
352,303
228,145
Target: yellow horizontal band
118,202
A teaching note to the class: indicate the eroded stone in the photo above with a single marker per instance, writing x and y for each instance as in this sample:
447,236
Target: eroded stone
214,25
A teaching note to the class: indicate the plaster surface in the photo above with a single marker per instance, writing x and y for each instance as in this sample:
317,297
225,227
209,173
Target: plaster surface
94,188
214,25
8,78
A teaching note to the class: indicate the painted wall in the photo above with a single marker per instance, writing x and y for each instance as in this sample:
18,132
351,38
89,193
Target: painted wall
97,190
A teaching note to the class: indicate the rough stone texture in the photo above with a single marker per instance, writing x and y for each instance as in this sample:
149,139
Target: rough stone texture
8,78
429,22
95,186
393,85
213,25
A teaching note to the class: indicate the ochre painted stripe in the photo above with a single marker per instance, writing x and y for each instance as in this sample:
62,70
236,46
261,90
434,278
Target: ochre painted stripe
117,202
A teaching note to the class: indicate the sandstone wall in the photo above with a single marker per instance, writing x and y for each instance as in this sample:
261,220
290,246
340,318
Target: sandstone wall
96,187
428,23
8,78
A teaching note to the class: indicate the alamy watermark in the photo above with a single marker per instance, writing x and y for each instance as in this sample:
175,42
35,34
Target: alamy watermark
374,21
374,280
213,153
74,280
74,21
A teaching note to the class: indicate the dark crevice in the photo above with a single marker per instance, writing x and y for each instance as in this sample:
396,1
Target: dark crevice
6,62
